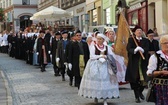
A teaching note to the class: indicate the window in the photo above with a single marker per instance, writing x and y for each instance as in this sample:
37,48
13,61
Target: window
94,17
108,16
25,2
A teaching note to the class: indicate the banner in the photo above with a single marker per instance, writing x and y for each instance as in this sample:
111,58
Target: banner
123,33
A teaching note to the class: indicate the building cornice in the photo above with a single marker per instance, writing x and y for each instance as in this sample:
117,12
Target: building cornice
42,6
133,2
10,8
24,6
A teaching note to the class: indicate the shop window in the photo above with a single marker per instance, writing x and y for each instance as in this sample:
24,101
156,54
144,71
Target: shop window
135,18
25,2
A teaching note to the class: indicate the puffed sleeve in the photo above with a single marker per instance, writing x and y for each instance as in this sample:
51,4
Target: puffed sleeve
92,53
152,65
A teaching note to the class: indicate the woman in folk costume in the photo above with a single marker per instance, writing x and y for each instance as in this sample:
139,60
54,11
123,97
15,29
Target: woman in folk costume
121,67
137,67
99,80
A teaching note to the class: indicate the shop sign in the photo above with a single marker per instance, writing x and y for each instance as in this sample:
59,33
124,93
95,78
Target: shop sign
80,10
133,7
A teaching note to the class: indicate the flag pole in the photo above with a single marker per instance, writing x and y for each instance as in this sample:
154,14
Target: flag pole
121,13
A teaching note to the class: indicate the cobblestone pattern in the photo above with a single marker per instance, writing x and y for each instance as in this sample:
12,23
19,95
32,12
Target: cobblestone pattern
29,86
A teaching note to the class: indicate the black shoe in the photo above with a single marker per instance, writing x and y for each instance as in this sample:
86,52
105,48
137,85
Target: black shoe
142,96
137,100
57,74
70,83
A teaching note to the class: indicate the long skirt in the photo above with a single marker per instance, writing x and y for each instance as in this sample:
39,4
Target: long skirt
161,94
35,59
97,81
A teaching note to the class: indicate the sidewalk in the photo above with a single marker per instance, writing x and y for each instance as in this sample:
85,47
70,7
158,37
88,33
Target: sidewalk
5,97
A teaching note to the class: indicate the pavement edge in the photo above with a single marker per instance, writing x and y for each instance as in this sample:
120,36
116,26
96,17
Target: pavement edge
8,92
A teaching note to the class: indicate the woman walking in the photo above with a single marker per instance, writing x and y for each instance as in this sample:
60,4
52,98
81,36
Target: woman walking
99,81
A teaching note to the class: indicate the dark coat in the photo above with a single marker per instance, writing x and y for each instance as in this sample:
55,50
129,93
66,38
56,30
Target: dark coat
53,50
132,70
73,56
39,49
155,44
61,53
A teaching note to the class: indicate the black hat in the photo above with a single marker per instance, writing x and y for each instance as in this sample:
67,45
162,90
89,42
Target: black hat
65,32
150,31
78,31
57,33
136,27
95,29
42,31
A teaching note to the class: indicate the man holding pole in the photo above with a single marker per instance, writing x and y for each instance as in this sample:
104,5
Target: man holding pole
137,48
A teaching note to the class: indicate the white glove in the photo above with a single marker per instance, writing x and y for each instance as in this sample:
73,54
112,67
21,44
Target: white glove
69,66
66,65
136,49
37,53
141,49
57,59
49,52
102,60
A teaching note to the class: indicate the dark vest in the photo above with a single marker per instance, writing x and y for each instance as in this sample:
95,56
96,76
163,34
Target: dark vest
162,65
97,52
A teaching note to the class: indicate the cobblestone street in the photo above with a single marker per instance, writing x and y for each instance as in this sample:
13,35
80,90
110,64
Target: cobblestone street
29,86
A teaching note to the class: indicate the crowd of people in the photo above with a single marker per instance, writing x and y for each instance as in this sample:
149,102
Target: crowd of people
89,59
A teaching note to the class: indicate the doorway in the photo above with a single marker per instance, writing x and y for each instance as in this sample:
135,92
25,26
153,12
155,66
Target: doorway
25,22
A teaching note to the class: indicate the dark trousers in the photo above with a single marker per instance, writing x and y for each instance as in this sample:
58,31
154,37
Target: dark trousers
137,87
4,49
77,81
56,69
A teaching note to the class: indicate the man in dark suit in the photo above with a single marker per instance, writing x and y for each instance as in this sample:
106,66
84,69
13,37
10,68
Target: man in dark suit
153,44
136,68
78,49
54,44
61,55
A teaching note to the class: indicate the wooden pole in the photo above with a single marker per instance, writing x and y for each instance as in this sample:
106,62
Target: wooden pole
121,13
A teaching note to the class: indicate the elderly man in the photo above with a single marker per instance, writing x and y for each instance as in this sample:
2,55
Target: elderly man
136,68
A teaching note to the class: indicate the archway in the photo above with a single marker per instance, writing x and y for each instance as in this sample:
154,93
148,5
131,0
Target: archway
25,22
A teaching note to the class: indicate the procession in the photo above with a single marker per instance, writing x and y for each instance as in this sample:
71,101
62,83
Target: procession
52,52
88,59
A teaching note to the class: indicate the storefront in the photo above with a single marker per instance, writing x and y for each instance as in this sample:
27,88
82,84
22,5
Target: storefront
137,14
79,16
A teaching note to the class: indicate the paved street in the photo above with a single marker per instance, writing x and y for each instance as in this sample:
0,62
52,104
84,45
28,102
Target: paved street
29,86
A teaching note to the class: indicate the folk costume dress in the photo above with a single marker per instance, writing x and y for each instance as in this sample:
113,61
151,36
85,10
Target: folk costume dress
98,80
159,62
121,67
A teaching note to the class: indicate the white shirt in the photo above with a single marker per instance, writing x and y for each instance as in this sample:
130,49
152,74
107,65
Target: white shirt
5,41
153,62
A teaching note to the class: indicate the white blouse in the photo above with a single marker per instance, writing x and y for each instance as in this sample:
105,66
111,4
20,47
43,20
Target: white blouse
152,65
92,52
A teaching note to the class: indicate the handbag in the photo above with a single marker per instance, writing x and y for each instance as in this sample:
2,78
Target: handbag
151,95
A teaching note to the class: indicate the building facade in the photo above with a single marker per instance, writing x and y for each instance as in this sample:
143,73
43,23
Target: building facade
78,10
109,12
137,13
42,4
158,15
17,13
